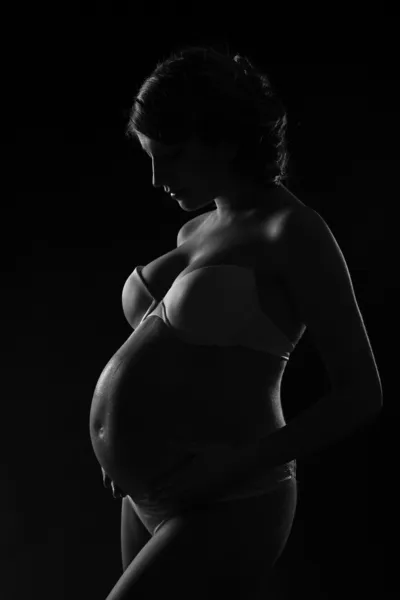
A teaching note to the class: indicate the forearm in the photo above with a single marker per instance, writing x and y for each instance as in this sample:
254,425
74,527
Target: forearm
336,416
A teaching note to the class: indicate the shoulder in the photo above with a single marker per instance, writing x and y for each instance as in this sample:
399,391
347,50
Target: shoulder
190,227
293,226
310,252
305,231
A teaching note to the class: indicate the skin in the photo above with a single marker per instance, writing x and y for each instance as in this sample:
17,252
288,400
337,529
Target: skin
206,174
207,177
188,549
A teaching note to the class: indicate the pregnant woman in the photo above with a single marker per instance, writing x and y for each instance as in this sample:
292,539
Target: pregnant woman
186,420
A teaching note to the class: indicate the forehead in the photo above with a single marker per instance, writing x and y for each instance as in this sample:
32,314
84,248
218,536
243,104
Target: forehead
194,147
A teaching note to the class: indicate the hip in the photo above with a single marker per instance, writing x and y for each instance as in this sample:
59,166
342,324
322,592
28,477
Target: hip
260,492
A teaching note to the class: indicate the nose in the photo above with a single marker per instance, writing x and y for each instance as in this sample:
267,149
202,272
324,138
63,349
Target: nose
159,175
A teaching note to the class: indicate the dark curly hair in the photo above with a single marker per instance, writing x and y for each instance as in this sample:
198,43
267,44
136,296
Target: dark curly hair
199,91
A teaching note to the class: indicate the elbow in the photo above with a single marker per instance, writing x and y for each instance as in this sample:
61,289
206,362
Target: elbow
368,395
376,393
371,396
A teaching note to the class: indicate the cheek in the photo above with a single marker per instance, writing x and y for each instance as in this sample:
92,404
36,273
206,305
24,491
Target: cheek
204,170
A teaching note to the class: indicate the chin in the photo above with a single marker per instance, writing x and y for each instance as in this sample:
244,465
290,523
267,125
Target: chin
188,206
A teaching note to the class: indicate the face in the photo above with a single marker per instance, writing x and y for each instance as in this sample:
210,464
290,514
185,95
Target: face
202,173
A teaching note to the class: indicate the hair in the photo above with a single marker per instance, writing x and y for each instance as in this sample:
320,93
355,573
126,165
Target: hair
199,91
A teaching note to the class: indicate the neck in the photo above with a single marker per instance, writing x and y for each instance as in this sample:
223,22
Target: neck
248,204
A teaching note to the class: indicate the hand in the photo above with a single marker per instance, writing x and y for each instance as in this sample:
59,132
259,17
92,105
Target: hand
214,469
108,483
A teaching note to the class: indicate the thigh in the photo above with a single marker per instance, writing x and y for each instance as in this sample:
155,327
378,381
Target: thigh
134,534
222,550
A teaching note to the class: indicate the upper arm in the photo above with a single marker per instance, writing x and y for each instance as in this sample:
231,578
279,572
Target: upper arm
319,283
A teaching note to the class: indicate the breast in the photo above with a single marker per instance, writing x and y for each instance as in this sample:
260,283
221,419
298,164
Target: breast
157,393
258,245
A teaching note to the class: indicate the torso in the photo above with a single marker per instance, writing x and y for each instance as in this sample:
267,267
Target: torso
256,242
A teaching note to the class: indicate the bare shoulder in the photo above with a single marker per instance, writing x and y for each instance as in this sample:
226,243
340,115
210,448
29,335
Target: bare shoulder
305,235
306,224
190,227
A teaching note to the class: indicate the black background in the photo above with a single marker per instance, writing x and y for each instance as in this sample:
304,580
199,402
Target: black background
79,213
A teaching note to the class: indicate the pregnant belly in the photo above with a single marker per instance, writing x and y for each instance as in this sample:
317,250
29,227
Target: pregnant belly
157,396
